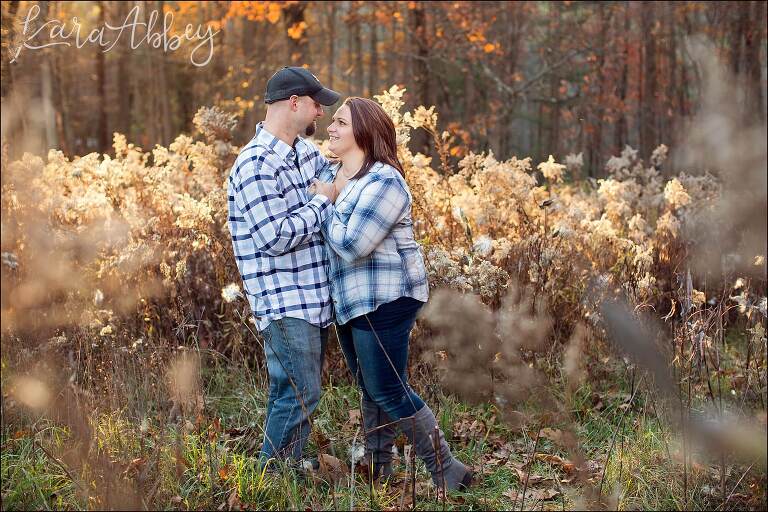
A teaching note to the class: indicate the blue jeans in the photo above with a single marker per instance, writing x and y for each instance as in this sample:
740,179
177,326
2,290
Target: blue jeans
294,351
380,365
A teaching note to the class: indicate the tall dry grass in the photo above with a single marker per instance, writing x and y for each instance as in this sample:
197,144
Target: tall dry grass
119,284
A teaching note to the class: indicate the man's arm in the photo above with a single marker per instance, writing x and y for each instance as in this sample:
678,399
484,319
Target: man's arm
380,206
273,228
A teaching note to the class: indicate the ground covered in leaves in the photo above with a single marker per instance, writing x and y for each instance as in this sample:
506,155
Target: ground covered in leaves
633,458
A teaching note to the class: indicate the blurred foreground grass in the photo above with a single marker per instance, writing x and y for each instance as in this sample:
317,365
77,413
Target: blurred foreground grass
209,463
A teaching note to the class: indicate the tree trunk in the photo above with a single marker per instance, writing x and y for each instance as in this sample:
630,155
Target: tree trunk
46,90
668,132
373,70
146,92
59,108
331,44
648,109
103,127
125,91
540,132
420,66
596,144
8,27
294,17
248,56
514,15
621,135
738,23
753,37
357,39
163,64
554,85
469,95
350,61
394,63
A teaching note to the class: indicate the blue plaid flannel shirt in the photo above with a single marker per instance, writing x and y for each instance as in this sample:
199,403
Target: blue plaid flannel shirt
372,255
275,230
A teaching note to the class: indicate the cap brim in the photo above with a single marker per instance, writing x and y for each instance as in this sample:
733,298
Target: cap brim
326,97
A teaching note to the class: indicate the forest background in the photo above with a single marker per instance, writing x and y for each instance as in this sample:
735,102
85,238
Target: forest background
517,78
589,188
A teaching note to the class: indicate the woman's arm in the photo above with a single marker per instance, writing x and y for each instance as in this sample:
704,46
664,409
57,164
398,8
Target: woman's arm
380,206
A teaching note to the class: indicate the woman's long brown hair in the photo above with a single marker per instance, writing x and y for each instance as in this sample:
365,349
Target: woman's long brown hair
374,133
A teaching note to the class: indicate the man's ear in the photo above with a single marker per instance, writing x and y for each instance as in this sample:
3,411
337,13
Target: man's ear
294,102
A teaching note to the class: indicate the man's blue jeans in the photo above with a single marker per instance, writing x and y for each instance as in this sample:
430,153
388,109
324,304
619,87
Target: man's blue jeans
294,350
380,366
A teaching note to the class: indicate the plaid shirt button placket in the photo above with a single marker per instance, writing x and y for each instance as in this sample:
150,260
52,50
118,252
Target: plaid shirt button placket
276,231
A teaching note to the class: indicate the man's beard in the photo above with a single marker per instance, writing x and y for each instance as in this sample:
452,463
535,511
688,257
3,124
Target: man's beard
310,130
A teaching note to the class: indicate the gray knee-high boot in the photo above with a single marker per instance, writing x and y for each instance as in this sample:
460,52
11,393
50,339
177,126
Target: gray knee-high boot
441,463
378,441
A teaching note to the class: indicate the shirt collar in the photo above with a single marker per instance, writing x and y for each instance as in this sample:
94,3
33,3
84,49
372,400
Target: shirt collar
282,149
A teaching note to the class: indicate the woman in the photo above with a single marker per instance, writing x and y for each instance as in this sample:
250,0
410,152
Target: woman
378,283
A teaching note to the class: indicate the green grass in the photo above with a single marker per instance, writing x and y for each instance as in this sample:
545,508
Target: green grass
175,468
31,480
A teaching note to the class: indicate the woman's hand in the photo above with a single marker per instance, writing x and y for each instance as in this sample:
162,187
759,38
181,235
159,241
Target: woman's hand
323,188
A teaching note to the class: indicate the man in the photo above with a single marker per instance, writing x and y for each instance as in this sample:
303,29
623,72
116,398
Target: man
275,230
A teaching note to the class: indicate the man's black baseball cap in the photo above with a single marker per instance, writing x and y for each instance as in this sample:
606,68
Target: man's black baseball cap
299,81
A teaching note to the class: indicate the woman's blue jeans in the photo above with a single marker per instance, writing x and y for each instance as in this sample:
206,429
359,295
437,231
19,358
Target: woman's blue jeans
379,361
294,350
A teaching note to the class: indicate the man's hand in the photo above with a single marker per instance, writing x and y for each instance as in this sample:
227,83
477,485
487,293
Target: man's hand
326,189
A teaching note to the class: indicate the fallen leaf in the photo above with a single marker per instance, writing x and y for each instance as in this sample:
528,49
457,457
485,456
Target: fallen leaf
532,479
236,431
214,429
233,502
400,442
466,429
320,440
224,472
331,468
181,462
553,434
199,419
566,465
563,438
532,494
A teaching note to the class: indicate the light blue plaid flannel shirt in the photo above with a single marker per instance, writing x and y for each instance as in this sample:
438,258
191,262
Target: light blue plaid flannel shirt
275,230
372,255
